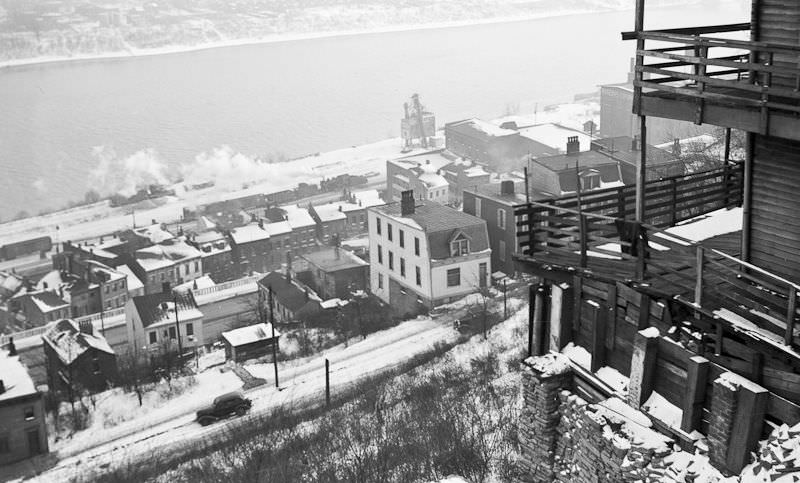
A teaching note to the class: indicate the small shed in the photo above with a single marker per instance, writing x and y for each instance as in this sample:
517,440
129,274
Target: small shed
249,342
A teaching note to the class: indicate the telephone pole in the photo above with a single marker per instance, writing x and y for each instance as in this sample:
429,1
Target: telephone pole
274,342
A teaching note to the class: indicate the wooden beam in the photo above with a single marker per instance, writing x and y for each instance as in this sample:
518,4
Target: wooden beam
561,309
641,170
695,395
791,309
599,325
751,404
611,318
539,343
644,312
747,197
643,366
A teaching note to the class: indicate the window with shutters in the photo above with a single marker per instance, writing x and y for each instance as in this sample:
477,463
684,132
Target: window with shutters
454,277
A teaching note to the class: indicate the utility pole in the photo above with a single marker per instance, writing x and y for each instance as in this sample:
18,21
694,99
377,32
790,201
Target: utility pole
505,301
327,382
274,342
177,324
102,321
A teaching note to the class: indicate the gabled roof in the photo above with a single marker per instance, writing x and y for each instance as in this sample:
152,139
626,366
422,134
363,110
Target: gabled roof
284,291
159,308
132,280
250,334
69,343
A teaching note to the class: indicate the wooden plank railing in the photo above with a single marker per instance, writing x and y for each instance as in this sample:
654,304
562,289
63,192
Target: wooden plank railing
760,75
704,278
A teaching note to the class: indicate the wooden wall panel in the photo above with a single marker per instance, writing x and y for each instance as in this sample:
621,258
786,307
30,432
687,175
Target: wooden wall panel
779,22
775,224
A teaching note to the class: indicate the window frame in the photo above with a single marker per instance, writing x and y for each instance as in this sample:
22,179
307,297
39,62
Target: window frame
454,273
501,218
416,245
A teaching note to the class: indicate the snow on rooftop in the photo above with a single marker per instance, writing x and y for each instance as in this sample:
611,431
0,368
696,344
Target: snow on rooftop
150,264
489,128
15,378
555,136
331,211
713,224
154,233
433,180
249,334
298,217
202,282
278,228
333,303
248,233
368,198
133,281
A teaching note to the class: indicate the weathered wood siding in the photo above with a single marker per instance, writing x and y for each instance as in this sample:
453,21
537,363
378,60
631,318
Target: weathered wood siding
775,222
778,21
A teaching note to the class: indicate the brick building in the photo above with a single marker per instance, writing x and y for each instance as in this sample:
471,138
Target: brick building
23,432
336,273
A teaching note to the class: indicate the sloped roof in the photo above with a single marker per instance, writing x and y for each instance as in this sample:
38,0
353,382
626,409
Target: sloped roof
249,334
334,211
298,217
439,223
133,281
69,342
159,308
15,378
287,293
47,301
248,233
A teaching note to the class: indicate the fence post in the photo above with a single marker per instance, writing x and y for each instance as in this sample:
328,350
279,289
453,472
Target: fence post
583,238
539,315
790,314
674,201
698,286
725,179
748,422
327,382
643,366
695,395
611,317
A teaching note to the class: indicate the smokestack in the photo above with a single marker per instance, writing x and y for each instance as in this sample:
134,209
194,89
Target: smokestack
573,145
407,203
507,187
86,327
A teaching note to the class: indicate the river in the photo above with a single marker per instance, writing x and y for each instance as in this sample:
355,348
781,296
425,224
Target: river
107,124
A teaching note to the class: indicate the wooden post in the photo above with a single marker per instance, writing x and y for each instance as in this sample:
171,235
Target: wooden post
644,312
561,309
674,201
719,335
274,342
751,404
790,315
695,395
638,242
641,169
643,366
747,195
611,317
621,206
531,316
583,238
757,363
541,315
698,284
598,349
727,155
327,382
638,27
576,292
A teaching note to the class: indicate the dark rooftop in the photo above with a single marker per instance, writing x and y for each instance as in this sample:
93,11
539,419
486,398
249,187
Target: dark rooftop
287,293
151,307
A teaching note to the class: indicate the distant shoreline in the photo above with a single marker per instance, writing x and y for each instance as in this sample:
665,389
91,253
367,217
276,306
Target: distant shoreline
291,37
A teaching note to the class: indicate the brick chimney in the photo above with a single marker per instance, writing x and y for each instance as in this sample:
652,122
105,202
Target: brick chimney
85,327
507,187
573,145
407,203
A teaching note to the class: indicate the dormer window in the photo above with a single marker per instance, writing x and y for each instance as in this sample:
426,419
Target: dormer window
459,245
590,179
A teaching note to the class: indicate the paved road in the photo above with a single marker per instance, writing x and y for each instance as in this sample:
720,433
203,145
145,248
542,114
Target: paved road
299,384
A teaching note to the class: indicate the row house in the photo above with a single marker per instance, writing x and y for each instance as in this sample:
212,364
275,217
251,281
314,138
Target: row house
250,246
39,307
559,175
304,228
421,174
281,242
163,266
164,320
424,254
77,359
216,255
291,301
23,430
495,203
332,221
336,272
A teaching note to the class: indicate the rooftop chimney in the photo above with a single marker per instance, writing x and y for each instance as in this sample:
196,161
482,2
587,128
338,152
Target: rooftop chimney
507,187
407,203
86,327
573,145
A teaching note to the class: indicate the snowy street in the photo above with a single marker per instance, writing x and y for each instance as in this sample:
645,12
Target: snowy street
300,384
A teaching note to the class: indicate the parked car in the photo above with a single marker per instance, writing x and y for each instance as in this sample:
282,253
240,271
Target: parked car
224,406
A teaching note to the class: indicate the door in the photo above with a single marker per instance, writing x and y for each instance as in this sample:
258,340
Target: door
34,444
482,275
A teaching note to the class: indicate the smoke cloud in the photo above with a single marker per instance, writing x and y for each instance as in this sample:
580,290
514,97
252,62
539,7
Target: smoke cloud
125,176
